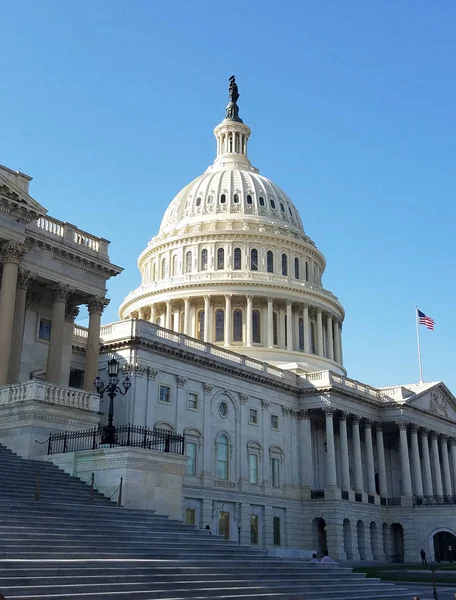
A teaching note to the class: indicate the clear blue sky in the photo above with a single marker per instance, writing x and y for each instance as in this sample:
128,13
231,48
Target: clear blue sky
110,106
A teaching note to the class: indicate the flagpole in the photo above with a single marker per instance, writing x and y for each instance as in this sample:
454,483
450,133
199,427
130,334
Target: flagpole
418,344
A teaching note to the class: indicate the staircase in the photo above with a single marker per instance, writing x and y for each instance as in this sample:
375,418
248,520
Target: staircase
64,548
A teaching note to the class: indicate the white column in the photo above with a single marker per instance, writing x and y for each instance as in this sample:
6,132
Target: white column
358,465
305,447
295,317
453,460
228,320
319,333
176,324
336,341
405,460
95,306
60,295
416,464
153,313
305,318
382,484
289,326
12,255
438,488
23,281
331,478
428,487
281,328
447,489
329,337
369,458
249,321
168,315
186,315
270,323
207,309
344,451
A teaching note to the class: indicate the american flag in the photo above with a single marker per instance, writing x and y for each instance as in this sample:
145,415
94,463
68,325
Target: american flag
425,320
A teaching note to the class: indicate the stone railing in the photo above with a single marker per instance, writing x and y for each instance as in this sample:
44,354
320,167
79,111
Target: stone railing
49,393
125,330
323,379
80,332
68,234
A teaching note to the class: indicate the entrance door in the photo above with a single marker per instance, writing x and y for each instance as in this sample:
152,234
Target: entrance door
224,524
444,546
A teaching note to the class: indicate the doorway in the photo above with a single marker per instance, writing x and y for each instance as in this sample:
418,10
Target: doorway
224,524
444,546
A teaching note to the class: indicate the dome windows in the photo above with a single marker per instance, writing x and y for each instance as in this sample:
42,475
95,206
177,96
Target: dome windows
254,260
261,200
249,199
210,199
296,268
188,262
282,207
223,199
284,264
270,261
256,327
219,325
220,259
237,263
204,260
272,203
236,198
198,201
237,325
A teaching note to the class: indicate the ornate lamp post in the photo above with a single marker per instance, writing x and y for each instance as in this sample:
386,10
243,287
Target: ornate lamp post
111,389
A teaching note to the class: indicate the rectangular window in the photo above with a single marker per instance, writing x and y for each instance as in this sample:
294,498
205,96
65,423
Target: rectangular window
253,416
224,524
165,394
276,531
191,462
275,465
253,468
44,331
274,422
190,516
192,401
254,529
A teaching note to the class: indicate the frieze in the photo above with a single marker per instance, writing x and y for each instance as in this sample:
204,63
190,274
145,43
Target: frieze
438,404
231,485
128,462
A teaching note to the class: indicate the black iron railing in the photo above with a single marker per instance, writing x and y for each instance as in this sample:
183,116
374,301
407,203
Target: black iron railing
394,501
433,500
126,435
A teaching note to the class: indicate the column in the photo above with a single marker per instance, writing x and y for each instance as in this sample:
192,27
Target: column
358,466
438,488
447,489
453,460
23,280
416,465
295,317
96,306
319,333
60,294
405,460
289,326
12,253
270,323
331,478
227,320
281,328
176,324
305,319
369,458
168,315
186,314
207,308
344,451
337,357
153,313
305,447
329,337
428,487
382,484
249,321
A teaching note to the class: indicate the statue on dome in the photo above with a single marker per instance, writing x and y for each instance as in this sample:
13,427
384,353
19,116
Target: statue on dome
233,89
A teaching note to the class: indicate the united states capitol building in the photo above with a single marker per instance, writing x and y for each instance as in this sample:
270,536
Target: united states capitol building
233,340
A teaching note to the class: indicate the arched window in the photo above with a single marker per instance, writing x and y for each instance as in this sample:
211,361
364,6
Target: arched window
237,325
204,260
307,271
223,199
284,264
254,260
301,333
198,202
285,328
275,330
219,325
236,198
296,268
222,457
188,262
256,327
270,262
237,259
249,199
200,325
272,203
174,265
163,268
220,259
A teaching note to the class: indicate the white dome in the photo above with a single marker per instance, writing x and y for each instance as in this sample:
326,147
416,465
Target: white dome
230,193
